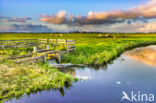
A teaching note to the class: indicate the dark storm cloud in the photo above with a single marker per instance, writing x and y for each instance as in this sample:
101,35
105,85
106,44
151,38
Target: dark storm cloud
4,17
16,19
26,28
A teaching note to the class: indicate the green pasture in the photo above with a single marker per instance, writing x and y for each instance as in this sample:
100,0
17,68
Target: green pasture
94,49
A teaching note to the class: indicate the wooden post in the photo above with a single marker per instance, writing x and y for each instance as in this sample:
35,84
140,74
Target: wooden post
45,58
48,47
35,49
66,42
56,41
47,41
67,46
75,45
37,43
59,57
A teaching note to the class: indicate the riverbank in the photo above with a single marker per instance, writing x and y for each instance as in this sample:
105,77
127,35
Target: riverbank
91,49
98,50
133,71
92,55
19,79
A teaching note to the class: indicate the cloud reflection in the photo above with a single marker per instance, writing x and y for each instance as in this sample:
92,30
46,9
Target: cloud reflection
146,55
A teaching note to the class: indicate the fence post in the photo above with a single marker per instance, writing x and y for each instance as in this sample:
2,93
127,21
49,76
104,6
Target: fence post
48,47
56,41
35,49
66,42
59,57
47,41
45,58
67,46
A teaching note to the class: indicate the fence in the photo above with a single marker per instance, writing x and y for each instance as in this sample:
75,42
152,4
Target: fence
20,43
39,43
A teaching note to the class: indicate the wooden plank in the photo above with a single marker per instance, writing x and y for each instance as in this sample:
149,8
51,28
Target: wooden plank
61,39
18,39
5,43
16,57
71,46
42,39
52,39
19,43
29,59
62,42
71,40
63,52
42,51
70,43
50,52
71,49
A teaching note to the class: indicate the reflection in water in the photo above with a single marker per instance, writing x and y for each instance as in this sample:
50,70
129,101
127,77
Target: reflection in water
62,92
146,55
70,71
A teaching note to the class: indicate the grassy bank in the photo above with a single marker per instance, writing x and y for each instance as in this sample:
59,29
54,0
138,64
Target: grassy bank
93,48
19,79
98,52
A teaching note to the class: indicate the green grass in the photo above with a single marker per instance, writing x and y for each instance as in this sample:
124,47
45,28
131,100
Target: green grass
99,51
91,49
19,79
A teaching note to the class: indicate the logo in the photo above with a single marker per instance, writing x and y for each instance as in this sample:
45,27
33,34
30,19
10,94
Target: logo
137,97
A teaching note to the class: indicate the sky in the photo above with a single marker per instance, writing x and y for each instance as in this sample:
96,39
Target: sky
78,15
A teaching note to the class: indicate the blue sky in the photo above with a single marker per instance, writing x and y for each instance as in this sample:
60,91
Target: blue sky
34,9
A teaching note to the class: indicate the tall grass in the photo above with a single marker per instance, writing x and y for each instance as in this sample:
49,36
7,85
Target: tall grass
97,54
19,79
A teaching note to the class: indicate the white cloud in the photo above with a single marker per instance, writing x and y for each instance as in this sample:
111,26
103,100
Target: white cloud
148,27
140,13
59,18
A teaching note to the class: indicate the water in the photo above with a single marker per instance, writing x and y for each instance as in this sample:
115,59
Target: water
133,71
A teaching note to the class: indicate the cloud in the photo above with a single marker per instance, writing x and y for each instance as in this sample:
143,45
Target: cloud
94,18
16,19
147,11
59,18
132,28
145,55
140,13
4,17
123,27
26,28
148,27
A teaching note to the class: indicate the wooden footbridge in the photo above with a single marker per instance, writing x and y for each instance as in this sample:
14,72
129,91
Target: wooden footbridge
41,49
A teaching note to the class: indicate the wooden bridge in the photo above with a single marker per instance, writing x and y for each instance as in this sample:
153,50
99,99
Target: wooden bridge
39,46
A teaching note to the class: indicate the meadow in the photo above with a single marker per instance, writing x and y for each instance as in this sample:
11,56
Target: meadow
94,49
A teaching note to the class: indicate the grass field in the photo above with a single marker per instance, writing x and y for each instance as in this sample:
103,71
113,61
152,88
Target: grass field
91,49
